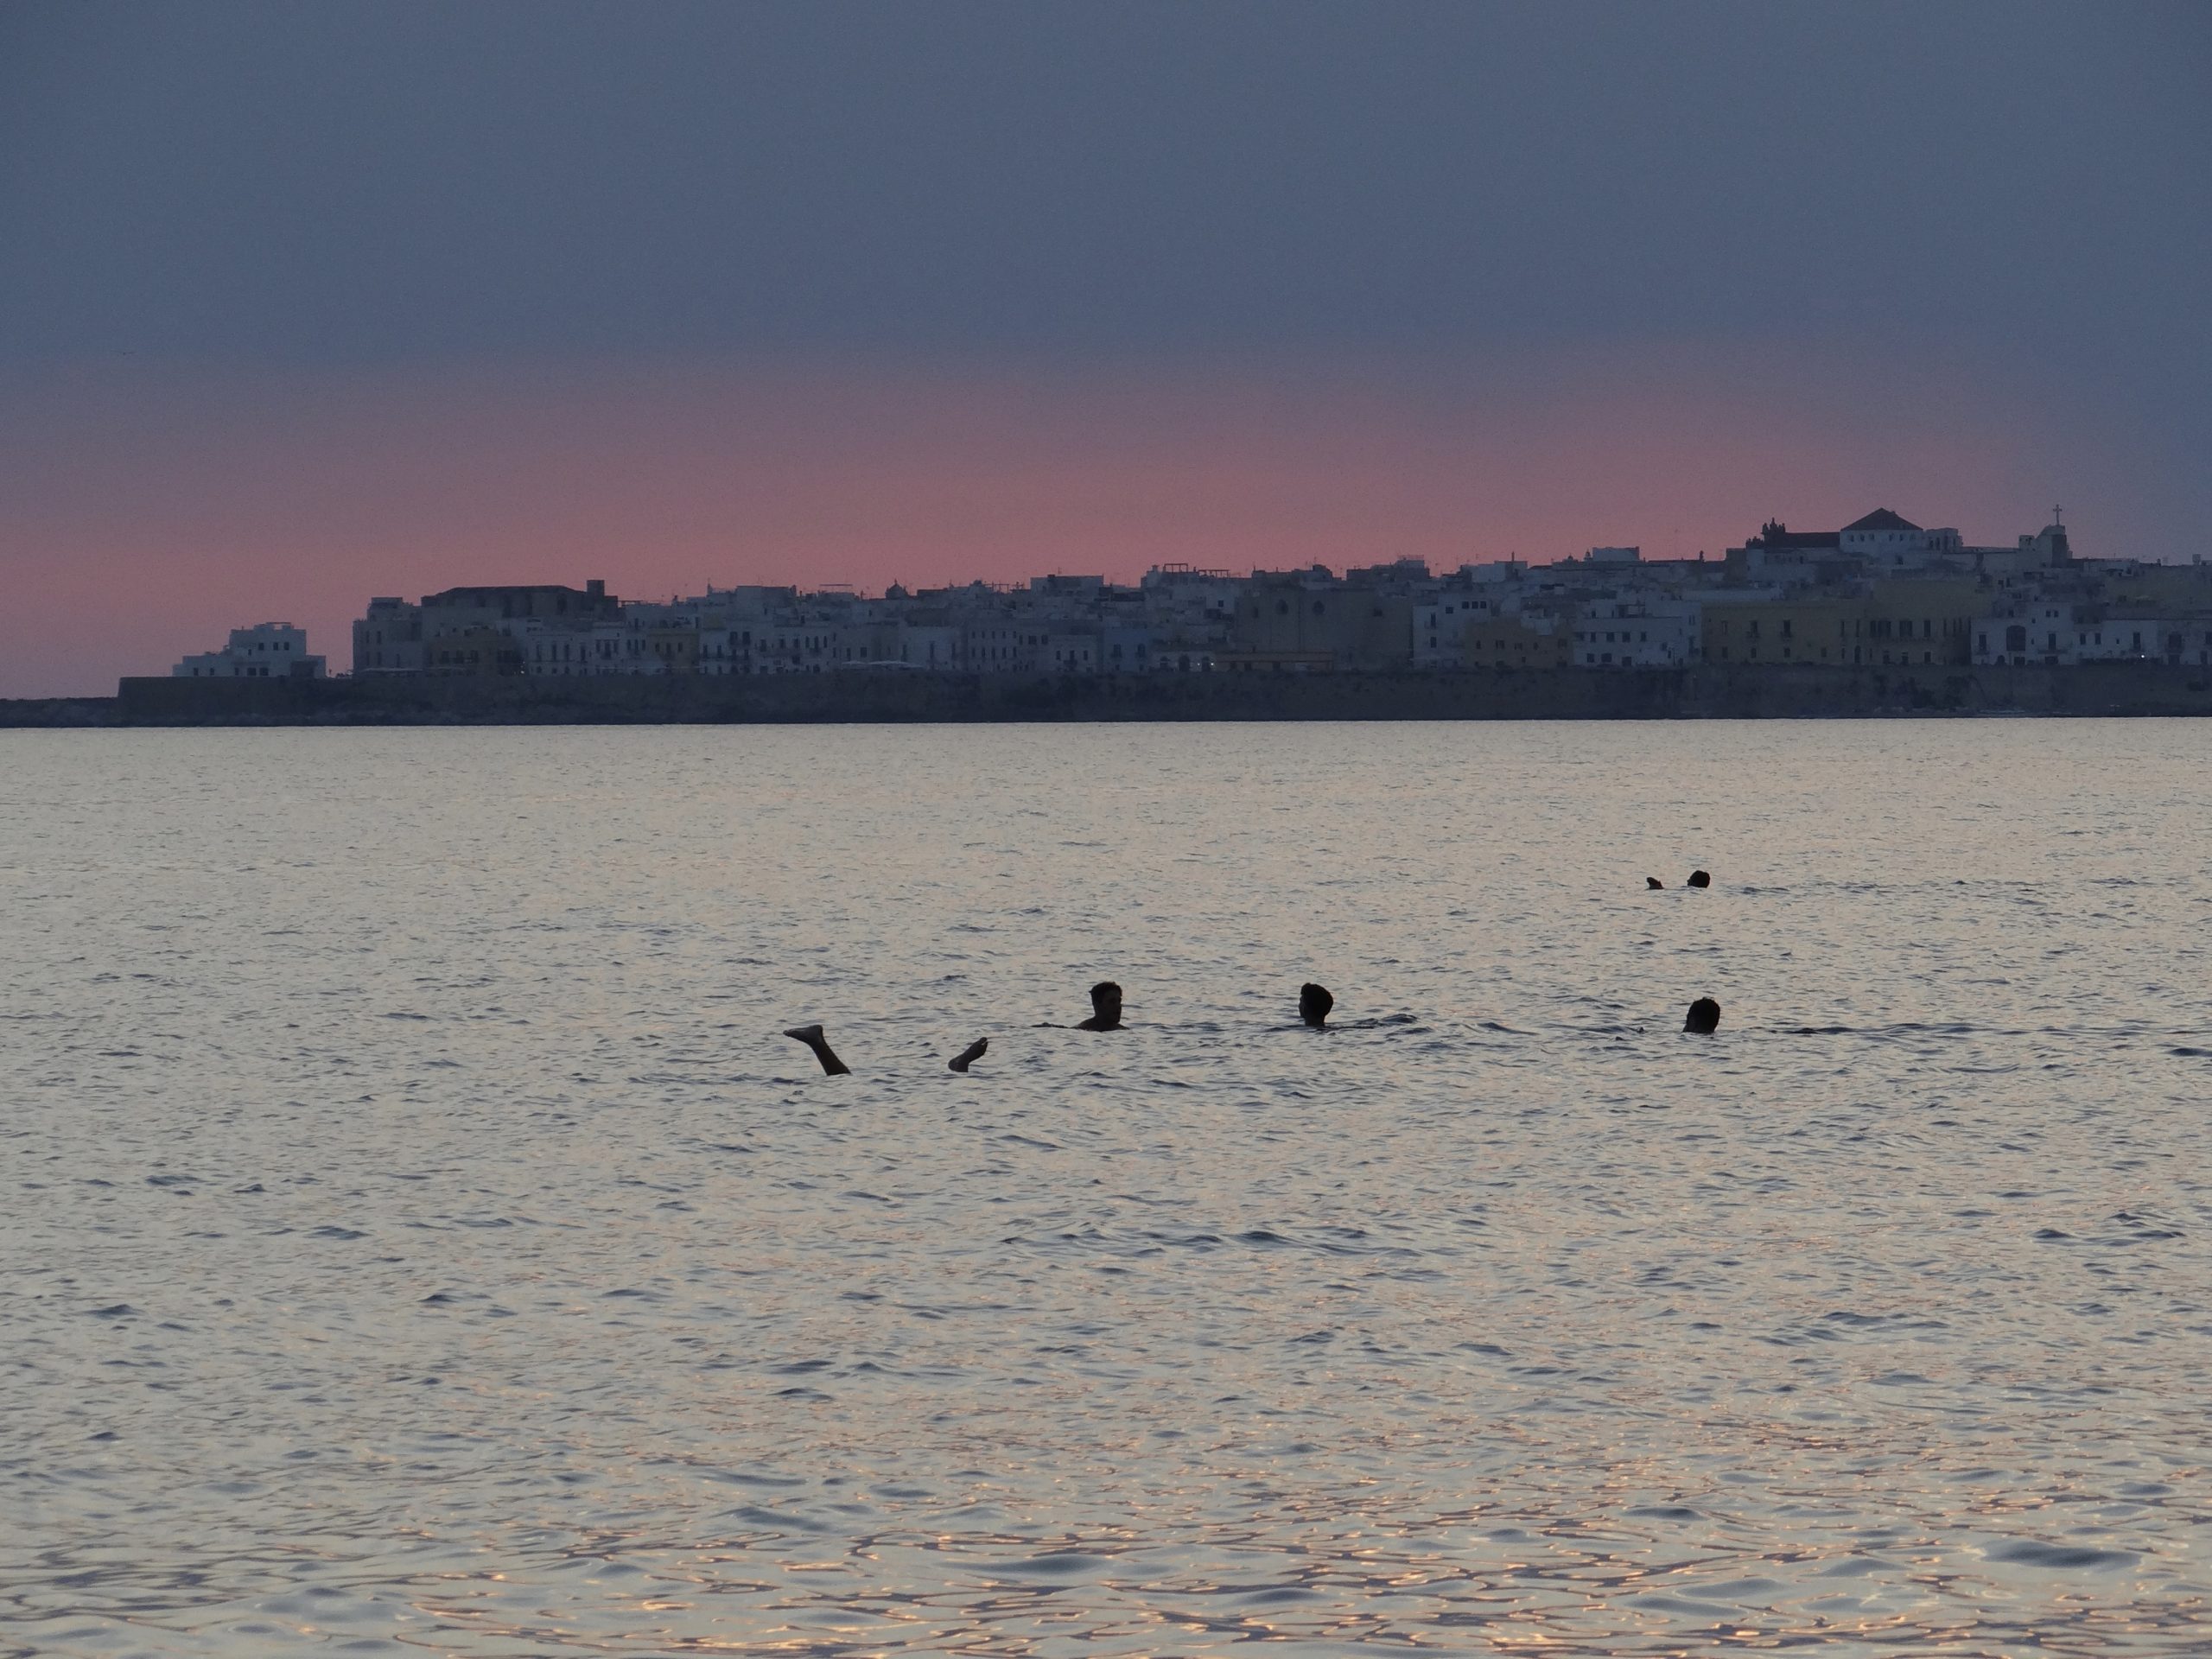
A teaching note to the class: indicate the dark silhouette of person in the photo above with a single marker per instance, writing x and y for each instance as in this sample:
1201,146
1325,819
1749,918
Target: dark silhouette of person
1703,1017
1313,1005
1699,879
812,1036
1105,1007
1654,884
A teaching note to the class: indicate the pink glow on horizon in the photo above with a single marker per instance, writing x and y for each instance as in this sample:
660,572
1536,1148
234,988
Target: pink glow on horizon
165,511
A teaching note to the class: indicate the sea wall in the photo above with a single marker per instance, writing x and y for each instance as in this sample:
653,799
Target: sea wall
1709,692
59,711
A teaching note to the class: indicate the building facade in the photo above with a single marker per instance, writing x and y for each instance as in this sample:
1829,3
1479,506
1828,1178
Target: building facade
267,651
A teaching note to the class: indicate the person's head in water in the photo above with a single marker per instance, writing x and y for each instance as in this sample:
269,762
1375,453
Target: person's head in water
1313,1005
1698,879
1105,1007
1653,884
1703,1017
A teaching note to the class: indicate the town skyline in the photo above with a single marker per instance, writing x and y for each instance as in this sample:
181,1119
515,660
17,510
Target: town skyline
1881,591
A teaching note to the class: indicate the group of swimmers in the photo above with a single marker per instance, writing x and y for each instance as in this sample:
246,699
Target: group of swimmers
1314,1003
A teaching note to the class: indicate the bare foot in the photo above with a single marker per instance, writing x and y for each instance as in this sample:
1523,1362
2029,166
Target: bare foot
812,1036
967,1056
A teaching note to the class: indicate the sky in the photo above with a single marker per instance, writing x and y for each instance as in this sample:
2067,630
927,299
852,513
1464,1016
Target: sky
303,303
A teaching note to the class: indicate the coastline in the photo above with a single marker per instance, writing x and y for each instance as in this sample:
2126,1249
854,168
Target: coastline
1779,691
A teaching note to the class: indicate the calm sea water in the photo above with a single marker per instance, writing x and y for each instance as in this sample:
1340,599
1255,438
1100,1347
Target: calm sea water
418,1238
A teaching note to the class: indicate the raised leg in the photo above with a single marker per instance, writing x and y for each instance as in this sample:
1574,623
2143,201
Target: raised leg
812,1036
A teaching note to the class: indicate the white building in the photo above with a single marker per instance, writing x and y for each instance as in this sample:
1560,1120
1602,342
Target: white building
2147,639
922,645
1441,622
1885,539
583,648
1180,596
996,646
267,651
389,639
1635,634
2043,631
2049,632
1071,653
1125,648
809,645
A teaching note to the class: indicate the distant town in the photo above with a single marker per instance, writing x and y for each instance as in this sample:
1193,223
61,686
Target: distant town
1880,591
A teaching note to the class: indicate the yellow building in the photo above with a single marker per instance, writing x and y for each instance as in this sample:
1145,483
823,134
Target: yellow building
1508,642
2177,590
1780,630
472,651
1894,622
676,646
1926,623
1284,621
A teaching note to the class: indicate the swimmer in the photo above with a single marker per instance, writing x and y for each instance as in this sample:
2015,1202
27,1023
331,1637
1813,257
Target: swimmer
1105,1007
1698,879
832,1066
1703,1017
1313,1005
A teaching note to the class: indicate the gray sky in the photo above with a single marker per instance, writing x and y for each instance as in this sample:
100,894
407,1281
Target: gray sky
335,182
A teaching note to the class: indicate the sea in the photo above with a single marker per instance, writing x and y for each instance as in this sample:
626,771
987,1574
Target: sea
419,1238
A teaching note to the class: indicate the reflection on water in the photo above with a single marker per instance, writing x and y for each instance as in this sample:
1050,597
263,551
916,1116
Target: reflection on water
419,1237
